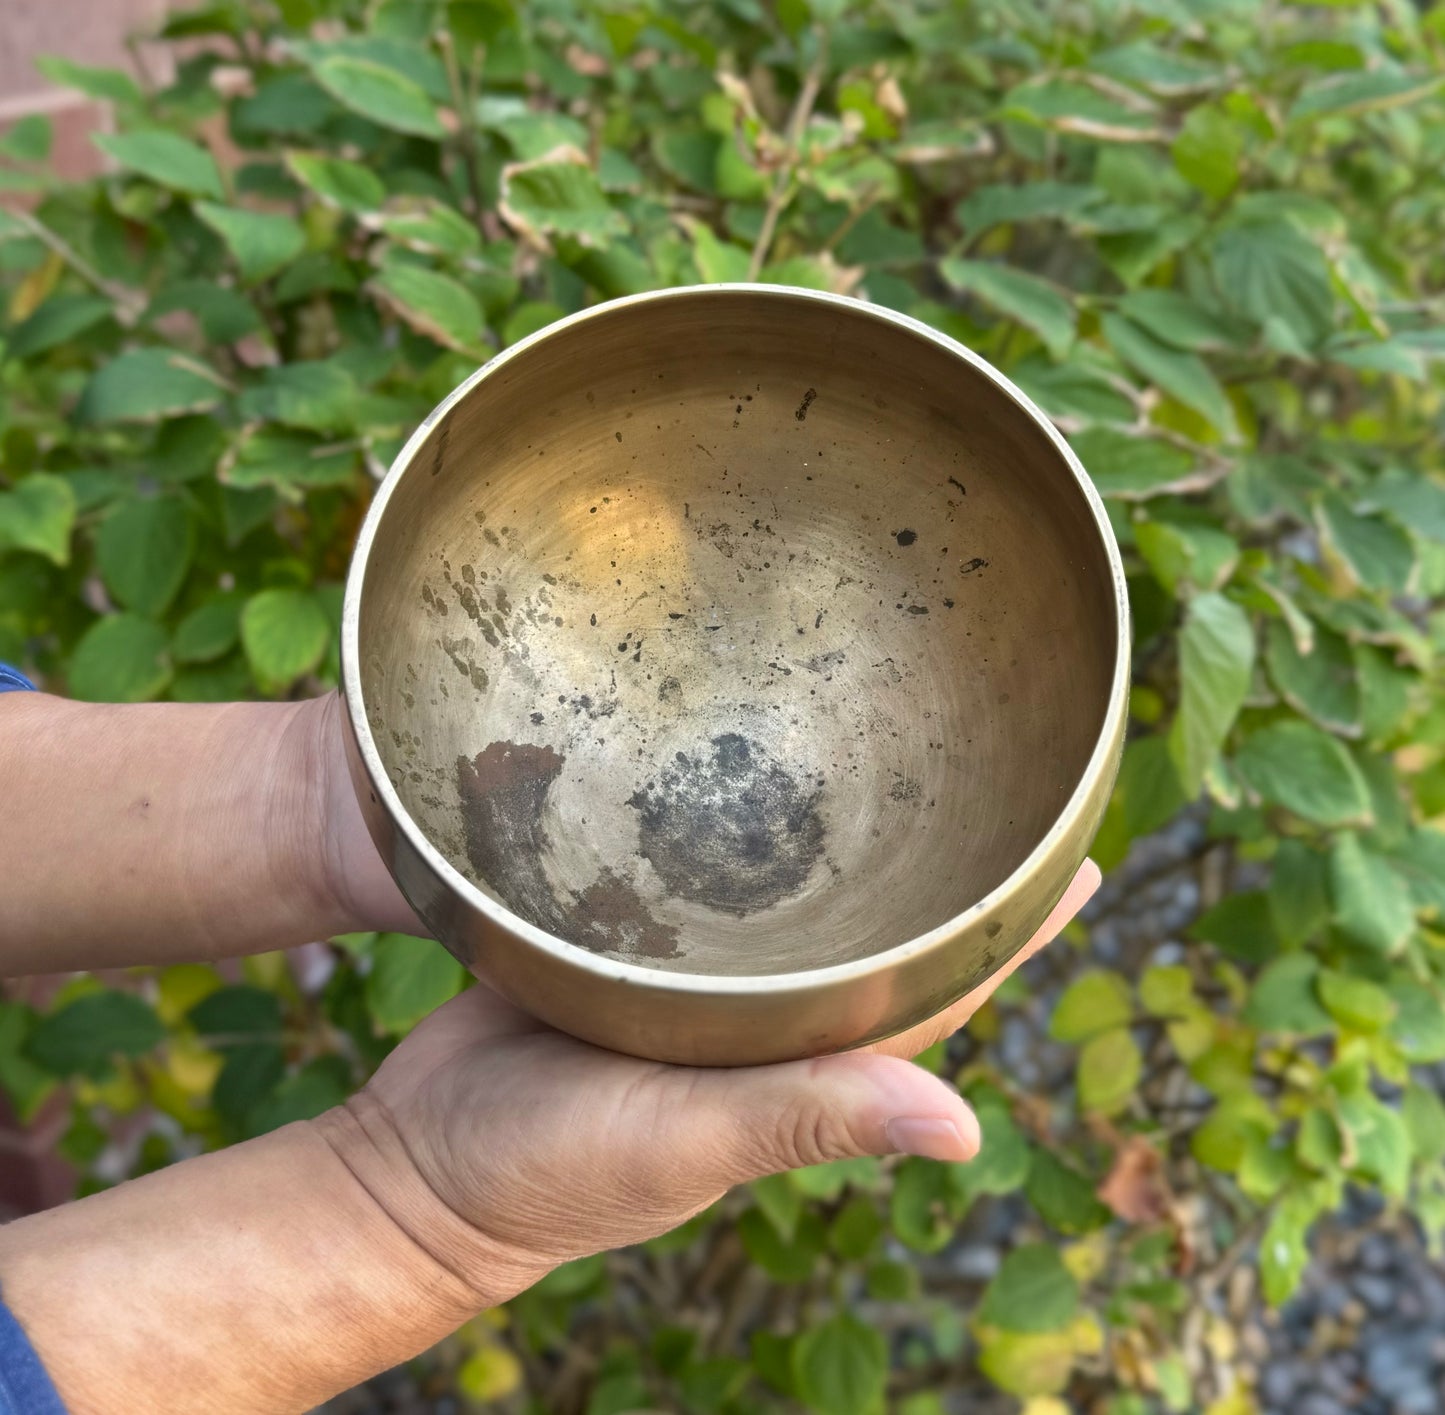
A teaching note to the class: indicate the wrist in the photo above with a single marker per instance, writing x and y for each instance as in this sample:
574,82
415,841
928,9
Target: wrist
347,868
457,1263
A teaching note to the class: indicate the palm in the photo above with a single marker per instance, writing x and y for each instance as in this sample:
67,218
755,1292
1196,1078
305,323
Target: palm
554,1148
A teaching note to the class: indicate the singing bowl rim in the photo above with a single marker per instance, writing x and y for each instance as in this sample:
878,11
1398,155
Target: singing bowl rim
1102,761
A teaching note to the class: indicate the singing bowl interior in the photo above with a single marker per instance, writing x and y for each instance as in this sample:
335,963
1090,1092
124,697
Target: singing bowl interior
736,633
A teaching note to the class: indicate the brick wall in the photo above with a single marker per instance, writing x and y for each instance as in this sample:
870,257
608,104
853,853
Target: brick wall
85,31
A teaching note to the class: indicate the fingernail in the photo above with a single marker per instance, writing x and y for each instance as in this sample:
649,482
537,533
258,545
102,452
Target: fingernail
933,1138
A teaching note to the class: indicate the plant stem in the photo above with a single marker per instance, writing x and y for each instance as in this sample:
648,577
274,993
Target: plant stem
129,302
783,182
466,128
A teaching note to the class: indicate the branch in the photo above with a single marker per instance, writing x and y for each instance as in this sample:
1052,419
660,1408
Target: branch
129,303
782,183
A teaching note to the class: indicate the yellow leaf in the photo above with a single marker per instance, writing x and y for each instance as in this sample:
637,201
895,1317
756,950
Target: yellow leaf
193,1067
489,1374
119,1093
181,987
1027,1363
1221,1339
35,288
1086,1334
1238,1402
1087,1258
1046,1405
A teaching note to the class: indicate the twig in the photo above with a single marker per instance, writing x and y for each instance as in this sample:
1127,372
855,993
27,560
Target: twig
782,183
129,302
466,130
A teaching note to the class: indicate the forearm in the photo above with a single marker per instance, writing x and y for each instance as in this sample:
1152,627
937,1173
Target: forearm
265,1278
161,832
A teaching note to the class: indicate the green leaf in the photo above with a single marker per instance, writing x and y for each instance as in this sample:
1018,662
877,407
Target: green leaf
317,1087
237,1014
1208,149
432,304
120,659
1064,1198
921,1207
350,186
1129,467
29,139
1423,1112
1419,1025
1216,660
780,1201
1173,318
840,1367
1167,990
284,633
790,1260
108,85
1284,998
1283,1255
225,315
166,158
59,320
143,551
1299,900
144,385
1240,925
409,979
291,462
1411,499
1186,553
1321,684
551,198
718,261
1421,860
83,1037
261,241
209,630
1110,1066
856,1229
1354,1001
989,206
1031,1292
1372,903
1382,1143
430,228
380,93
1017,296
1295,765
1379,555
318,395
38,516
1183,376
1092,1004
1364,91
1002,1165
1275,276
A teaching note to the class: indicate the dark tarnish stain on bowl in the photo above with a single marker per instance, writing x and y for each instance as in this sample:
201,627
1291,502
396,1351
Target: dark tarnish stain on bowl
503,792
732,829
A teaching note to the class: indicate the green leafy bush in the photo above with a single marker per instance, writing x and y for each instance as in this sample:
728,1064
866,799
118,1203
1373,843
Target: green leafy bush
1204,238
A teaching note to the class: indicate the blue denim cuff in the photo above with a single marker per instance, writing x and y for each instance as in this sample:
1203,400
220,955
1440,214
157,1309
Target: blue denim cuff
25,1388
12,680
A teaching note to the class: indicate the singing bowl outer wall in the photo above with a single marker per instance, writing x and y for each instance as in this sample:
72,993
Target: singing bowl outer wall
945,556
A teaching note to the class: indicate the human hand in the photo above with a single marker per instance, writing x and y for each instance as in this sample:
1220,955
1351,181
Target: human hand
504,1148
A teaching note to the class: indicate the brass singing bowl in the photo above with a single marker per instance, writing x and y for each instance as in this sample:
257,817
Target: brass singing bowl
736,673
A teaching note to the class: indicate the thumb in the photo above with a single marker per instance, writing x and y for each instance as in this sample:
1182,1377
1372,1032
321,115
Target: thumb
765,1119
